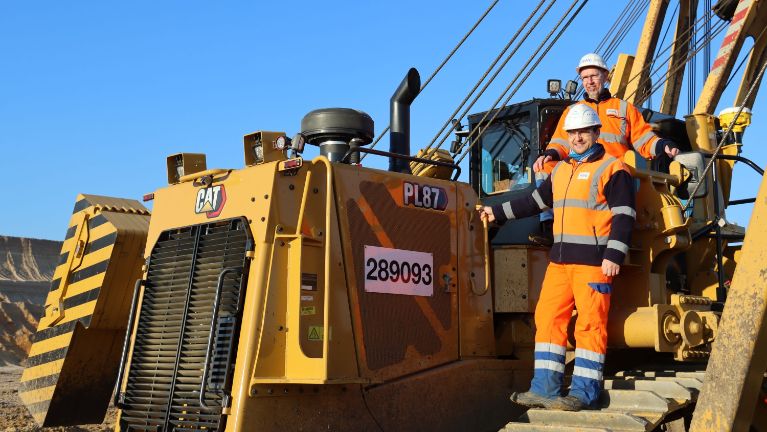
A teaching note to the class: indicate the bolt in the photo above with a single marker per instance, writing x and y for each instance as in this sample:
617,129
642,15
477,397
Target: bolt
266,196
291,187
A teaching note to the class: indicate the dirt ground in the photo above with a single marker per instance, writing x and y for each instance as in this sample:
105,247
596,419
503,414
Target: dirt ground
14,416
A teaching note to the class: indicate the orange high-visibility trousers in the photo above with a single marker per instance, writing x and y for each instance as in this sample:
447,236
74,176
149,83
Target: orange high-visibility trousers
587,289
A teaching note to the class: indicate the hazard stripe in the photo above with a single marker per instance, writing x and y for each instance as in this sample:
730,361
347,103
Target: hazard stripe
87,272
63,258
81,205
739,16
107,240
55,284
96,221
42,370
82,298
70,232
39,407
92,223
37,383
47,357
50,332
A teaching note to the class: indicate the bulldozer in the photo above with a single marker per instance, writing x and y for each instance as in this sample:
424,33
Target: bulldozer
319,294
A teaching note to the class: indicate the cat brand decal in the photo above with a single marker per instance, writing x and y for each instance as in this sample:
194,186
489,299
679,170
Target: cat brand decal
210,201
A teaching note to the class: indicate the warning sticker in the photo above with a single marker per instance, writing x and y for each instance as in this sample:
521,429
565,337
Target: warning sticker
308,310
308,281
315,333
307,298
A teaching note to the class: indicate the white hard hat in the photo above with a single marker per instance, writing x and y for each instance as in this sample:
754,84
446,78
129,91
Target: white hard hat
592,60
581,116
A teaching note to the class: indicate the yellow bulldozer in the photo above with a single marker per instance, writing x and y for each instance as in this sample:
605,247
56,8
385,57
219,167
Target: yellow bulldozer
296,294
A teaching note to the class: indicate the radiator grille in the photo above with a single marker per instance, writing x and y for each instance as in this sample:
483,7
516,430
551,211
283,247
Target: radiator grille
162,391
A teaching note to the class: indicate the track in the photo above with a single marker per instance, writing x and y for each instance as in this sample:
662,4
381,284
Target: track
632,401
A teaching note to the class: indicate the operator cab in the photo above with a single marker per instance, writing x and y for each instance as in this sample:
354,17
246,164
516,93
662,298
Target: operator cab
501,164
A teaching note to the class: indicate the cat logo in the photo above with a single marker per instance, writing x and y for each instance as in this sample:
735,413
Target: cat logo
210,201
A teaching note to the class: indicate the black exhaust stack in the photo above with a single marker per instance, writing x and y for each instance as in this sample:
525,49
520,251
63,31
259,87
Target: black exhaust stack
399,135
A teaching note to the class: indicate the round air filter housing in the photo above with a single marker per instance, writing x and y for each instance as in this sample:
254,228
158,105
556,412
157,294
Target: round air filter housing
335,130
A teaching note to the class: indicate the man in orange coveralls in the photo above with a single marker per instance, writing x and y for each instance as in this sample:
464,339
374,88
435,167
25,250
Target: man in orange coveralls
623,128
592,195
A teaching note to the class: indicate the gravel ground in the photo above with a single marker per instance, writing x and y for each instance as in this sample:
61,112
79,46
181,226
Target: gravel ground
14,416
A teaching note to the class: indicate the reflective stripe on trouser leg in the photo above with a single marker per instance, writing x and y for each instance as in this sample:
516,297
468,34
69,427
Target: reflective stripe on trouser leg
590,331
552,314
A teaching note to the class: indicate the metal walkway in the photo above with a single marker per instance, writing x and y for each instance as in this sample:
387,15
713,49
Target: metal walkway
631,401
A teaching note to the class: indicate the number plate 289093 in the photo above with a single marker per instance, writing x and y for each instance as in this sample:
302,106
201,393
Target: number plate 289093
399,271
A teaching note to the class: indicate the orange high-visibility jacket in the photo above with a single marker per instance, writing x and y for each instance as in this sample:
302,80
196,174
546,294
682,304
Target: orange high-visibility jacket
623,128
593,204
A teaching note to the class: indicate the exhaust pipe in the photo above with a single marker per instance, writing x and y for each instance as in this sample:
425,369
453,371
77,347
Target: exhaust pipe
399,112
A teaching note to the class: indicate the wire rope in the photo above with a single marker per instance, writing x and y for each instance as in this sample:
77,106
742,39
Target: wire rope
444,62
724,137
542,54
492,78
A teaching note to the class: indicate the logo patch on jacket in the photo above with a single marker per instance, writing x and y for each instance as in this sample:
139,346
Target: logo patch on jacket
612,112
583,175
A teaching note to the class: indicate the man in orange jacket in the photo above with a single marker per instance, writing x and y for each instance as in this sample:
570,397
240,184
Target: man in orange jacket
592,195
623,129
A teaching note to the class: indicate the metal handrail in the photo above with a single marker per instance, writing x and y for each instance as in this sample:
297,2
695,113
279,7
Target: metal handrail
126,342
406,157
212,335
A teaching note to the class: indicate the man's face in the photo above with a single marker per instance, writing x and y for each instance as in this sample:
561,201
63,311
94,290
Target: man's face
593,80
582,139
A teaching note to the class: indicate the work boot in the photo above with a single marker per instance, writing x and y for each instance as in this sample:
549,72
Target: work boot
569,403
532,400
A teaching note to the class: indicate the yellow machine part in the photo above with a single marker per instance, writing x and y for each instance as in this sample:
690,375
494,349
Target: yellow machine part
72,364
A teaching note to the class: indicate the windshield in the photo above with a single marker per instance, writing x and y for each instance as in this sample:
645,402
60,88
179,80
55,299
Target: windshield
506,155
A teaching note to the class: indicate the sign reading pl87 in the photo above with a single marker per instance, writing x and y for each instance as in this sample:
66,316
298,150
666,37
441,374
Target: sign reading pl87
430,197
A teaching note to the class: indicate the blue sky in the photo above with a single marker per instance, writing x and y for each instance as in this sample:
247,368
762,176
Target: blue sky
94,95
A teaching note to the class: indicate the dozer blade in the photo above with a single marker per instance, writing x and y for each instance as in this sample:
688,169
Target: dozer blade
72,364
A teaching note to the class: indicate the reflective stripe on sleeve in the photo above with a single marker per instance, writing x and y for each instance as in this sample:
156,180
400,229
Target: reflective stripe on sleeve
643,140
562,142
618,245
624,210
507,210
539,200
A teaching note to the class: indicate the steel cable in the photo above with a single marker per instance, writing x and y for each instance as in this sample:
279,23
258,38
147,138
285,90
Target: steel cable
684,38
724,137
444,62
718,28
495,74
474,140
618,37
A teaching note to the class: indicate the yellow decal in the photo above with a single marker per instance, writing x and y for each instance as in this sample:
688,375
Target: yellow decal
308,310
315,333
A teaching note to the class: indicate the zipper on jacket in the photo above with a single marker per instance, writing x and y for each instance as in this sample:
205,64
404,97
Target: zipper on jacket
564,206
596,240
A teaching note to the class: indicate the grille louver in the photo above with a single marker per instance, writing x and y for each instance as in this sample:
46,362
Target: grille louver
162,391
